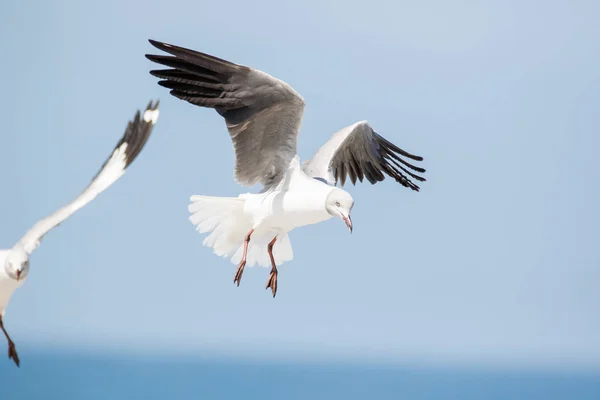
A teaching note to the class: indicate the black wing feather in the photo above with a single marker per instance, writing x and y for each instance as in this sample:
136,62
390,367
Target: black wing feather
136,135
365,153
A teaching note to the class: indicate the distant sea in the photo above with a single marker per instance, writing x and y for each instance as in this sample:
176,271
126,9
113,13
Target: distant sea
86,377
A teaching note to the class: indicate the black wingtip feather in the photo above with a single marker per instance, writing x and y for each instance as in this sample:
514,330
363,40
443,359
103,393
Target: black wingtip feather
395,148
390,157
379,155
198,78
136,135
195,72
190,89
197,58
138,132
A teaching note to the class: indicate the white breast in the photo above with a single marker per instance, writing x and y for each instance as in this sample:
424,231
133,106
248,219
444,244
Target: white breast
7,284
299,201
7,288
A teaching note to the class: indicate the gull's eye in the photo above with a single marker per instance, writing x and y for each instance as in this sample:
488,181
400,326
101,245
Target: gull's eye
337,204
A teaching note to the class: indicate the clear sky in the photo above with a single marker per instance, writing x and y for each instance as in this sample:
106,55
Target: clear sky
495,261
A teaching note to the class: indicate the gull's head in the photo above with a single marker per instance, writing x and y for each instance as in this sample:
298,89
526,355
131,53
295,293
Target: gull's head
339,204
17,264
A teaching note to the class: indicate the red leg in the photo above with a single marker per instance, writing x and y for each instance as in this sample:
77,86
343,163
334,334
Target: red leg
12,351
238,274
272,282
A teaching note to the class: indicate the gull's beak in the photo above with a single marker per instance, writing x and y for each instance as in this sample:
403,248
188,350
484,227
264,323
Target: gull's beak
348,221
18,274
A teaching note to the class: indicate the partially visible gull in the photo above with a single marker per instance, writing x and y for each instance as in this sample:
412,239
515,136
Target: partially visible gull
15,261
263,116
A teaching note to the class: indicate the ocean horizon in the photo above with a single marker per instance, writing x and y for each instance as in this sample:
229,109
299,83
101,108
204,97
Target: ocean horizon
85,375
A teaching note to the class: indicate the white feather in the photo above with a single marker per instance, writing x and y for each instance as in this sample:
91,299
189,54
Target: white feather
7,284
224,218
151,116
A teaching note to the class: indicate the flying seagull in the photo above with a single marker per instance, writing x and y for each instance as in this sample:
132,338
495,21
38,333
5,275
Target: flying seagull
263,116
15,261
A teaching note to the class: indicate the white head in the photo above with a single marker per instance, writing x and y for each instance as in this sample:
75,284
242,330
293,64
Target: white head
339,203
16,264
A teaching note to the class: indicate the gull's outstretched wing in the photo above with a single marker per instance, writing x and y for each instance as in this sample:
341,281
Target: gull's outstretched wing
359,152
262,113
136,134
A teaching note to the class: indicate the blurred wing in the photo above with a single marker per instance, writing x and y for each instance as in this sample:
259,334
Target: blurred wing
262,113
359,152
131,144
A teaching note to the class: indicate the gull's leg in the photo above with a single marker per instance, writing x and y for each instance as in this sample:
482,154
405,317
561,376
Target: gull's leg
238,274
12,352
272,282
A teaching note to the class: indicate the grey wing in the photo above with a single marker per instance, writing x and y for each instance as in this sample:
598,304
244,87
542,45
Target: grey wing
359,152
262,113
127,149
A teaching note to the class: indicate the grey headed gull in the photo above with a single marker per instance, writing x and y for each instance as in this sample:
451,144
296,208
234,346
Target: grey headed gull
263,116
15,261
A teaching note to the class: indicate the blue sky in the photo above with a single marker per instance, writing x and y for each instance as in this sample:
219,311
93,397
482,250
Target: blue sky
495,261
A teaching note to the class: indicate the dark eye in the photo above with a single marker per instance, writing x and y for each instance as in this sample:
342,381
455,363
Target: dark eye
337,203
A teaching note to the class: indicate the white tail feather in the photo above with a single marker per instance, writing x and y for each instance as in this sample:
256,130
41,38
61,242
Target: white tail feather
228,225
